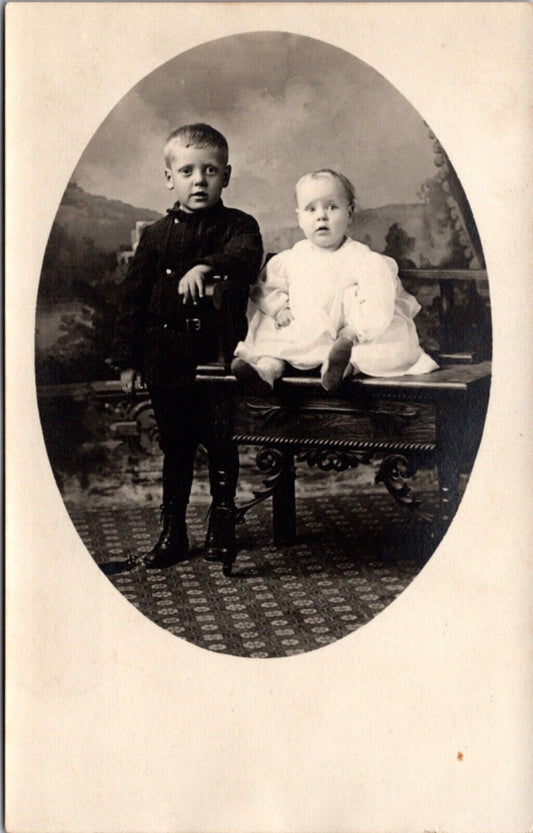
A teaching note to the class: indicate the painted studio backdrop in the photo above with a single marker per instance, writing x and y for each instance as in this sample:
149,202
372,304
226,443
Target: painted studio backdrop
287,105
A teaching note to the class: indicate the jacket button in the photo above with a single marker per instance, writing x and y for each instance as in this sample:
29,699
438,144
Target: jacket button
165,326
168,271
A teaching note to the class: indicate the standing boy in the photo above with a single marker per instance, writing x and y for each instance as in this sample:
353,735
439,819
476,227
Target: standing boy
176,258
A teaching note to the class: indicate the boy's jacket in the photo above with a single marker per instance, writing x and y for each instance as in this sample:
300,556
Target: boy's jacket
152,334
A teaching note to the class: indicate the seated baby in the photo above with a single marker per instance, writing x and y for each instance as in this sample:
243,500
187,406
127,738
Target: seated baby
328,302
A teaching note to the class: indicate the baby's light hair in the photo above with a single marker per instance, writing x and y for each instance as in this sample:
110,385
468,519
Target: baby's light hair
196,136
330,173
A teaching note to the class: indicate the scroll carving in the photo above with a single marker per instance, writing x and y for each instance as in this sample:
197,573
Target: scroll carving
272,462
394,471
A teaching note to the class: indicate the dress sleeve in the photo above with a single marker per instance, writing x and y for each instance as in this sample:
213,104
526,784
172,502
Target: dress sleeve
370,304
271,291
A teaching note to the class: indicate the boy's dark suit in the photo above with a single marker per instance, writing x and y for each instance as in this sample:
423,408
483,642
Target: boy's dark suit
151,332
152,335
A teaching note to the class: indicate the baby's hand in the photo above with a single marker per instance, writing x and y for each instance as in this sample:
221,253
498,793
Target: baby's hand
191,286
284,317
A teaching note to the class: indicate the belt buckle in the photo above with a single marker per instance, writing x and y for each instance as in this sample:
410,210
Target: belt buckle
193,325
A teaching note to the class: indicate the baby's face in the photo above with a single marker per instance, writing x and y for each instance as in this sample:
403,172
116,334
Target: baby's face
323,211
197,175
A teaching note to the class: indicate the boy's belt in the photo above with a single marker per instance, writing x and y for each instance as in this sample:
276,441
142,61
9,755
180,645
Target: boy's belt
188,318
186,325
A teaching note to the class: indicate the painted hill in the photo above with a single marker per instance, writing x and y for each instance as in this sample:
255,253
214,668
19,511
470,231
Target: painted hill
107,226
107,222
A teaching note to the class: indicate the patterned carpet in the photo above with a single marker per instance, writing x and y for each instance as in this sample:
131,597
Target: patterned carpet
355,554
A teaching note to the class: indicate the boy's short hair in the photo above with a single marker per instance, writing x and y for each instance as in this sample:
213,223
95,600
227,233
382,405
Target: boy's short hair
329,172
198,136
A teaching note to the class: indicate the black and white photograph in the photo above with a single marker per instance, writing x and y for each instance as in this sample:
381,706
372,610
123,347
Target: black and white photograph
199,370
265,521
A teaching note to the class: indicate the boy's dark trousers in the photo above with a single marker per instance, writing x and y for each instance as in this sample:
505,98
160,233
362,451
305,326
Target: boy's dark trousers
185,416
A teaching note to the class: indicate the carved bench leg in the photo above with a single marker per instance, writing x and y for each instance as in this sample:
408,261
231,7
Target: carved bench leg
448,454
284,504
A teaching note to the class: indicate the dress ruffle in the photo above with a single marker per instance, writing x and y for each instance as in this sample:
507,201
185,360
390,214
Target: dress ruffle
353,290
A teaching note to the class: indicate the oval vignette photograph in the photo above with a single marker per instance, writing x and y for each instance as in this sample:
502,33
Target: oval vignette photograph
263,344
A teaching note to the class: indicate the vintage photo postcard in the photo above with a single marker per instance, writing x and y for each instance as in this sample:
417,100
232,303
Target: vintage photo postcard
268,347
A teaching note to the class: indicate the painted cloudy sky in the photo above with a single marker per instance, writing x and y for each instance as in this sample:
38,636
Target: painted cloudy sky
287,105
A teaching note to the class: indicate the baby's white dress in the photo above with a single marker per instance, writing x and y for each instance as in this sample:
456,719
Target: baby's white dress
352,289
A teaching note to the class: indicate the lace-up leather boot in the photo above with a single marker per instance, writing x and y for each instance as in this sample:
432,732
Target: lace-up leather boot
220,543
172,545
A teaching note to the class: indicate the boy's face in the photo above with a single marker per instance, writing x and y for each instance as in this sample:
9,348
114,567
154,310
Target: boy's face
197,175
323,211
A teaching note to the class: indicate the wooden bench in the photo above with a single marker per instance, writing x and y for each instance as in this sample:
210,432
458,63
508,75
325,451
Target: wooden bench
435,419
402,423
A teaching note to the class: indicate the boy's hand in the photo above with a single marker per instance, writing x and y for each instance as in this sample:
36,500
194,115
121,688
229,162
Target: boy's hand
284,317
130,379
191,286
